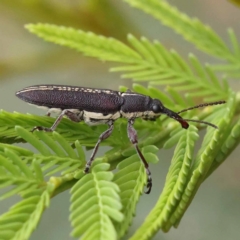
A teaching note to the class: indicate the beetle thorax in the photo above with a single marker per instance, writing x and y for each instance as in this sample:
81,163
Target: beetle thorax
140,106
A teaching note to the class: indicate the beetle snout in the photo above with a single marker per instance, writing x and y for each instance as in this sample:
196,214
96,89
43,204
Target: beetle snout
177,117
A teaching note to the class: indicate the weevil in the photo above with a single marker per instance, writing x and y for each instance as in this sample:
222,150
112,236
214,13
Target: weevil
102,106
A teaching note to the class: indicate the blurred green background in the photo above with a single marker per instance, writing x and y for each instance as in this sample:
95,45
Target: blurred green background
27,60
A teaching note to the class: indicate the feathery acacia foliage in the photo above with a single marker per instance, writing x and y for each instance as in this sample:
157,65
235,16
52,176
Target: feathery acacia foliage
95,200
202,36
106,201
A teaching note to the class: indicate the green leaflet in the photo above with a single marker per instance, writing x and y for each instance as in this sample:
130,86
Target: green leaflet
149,62
94,203
176,181
20,221
192,30
16,173
68,129
131,178
89,43
231,142
171,70
55,152
205,160
202,36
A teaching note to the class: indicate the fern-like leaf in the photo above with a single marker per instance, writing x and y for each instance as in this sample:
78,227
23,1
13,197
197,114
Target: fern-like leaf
205,158
57,155
20,221
192,30
68,129
172,70
90,44
94,202
149,62
232,70
131,178
16,173
231,142
174,186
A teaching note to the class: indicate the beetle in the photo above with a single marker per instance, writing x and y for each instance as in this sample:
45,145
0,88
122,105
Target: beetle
102,106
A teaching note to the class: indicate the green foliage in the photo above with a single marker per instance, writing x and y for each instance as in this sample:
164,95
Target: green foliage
28,182
149,62
94,201
131,179
175,184
103,202
194,31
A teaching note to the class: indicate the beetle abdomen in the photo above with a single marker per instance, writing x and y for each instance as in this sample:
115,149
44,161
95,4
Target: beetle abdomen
71,97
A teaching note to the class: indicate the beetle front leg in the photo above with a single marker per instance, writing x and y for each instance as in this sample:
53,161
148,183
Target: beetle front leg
102,137
132,134
71,115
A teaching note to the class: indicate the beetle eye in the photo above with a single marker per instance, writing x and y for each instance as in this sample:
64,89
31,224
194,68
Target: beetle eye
156,108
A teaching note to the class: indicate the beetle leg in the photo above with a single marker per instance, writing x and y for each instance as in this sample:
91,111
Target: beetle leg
102,137
132,135
75,117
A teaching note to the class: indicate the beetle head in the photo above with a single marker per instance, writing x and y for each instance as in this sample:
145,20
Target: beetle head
158,108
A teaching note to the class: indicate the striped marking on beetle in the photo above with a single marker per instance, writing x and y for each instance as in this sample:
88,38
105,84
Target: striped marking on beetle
62,88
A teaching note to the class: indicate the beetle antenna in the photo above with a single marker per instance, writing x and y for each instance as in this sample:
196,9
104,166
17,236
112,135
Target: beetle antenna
183,121
200,121
202,105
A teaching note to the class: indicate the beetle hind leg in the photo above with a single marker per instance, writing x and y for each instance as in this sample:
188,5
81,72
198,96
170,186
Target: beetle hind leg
72,115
